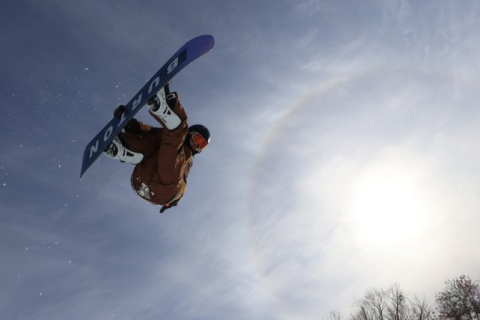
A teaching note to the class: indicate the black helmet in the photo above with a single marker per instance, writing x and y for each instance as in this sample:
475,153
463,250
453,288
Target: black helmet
198,138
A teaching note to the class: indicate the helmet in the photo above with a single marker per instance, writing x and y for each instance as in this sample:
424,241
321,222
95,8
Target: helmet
198,138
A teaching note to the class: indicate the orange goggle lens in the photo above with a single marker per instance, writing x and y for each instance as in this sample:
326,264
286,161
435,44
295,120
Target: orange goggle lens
198,141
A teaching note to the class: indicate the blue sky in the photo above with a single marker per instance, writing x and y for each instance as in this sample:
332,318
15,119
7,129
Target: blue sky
344,156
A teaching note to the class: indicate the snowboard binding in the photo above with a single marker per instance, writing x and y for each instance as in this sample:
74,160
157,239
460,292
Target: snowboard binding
118,151
160,107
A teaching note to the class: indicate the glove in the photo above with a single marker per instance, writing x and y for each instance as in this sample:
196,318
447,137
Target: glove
119,111
169,205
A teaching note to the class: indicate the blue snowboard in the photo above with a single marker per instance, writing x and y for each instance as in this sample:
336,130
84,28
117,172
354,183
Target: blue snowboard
192,50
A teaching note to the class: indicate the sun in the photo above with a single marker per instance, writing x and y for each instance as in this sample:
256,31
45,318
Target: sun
387,206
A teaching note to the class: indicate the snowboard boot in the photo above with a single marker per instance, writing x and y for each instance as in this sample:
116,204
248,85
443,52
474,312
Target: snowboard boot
116,150
158,106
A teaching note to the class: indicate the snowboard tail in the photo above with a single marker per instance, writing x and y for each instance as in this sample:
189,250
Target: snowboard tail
188,53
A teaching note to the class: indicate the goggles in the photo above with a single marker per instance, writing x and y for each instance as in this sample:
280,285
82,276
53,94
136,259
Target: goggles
197,141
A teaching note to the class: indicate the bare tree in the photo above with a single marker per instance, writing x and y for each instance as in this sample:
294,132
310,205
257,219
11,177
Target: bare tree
334,315
392,304
421,310
397,306
460,300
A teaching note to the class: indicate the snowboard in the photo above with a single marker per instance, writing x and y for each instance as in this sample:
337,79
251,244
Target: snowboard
189,52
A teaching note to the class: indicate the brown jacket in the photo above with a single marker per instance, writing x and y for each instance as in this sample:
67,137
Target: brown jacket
161,177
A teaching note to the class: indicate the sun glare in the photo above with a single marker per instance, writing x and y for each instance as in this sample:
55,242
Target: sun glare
387,207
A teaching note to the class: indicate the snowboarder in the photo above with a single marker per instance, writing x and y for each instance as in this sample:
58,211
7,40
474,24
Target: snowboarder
162,156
